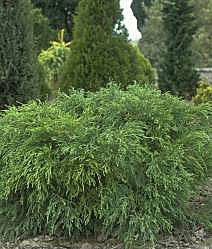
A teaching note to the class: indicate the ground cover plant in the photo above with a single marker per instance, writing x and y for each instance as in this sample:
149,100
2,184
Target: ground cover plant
123,161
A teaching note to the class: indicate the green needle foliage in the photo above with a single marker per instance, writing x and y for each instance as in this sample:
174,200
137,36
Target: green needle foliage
18,68
178,74
100,51
128,160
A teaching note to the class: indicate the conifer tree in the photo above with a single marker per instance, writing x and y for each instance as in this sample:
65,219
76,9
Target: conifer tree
139,9
178,74
18,69
100,51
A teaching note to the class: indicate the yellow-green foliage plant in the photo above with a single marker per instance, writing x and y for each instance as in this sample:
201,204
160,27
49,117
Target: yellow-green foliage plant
204,93
125,162
53,59
100,52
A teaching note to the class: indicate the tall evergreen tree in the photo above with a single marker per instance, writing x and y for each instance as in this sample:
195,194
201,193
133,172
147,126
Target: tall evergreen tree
153,34
18,69
139,9
100,51
178,74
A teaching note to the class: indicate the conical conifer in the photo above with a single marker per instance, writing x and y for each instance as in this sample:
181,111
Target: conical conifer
18,69
178,74
100,51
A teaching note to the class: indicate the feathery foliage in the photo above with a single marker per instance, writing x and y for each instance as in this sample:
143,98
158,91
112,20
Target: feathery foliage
128,160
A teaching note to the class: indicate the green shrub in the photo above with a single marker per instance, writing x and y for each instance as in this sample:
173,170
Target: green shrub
19,80
100,51
204,93
128,160
53,59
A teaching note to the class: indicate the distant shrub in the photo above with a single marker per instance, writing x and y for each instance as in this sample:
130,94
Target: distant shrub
53,59
128,160
204,93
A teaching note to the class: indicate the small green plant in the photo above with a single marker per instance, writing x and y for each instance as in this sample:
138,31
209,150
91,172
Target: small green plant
204,93
53,59
128,160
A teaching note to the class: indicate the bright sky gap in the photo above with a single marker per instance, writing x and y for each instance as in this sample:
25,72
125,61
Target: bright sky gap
130,20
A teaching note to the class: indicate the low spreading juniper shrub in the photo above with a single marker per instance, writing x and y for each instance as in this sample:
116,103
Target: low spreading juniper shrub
128,160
